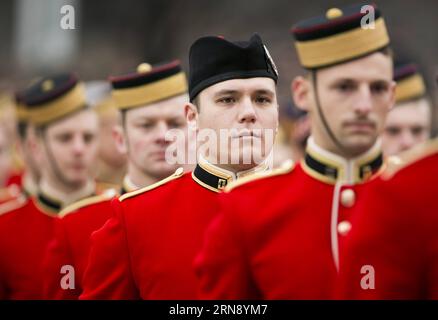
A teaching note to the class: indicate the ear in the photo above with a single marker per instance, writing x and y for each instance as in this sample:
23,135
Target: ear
36,147
119,137
300,90
392,94
191,113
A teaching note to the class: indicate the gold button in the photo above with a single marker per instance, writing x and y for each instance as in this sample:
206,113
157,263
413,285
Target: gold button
344,227
179,171
47,85
394,160
348,198
144,67
334,13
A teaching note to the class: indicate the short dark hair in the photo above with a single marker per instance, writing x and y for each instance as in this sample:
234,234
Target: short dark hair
197,103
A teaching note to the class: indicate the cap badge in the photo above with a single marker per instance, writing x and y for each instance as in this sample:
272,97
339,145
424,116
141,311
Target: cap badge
271,61
334,13
47,85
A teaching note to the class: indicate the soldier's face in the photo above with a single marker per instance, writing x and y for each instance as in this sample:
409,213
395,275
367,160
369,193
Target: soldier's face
249,108
144,136
407,125
71,143
355,98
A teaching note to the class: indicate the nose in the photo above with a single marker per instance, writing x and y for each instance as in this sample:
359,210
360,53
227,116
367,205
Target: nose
407,140
160,133
78,145
247,113
364,103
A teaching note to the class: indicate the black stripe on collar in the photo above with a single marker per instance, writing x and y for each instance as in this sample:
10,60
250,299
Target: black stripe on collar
214,182
48,203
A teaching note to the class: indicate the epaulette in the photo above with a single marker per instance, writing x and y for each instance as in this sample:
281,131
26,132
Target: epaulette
9,193
177,174
106,195
13,204
285,168
395,163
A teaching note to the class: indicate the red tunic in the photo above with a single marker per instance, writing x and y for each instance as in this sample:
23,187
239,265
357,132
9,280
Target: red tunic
396,233
71,243
24,235
147,250
279,236
26,229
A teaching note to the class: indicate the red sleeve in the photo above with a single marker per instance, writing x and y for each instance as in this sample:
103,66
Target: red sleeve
433,265
222,265
3,295
108,274
58,256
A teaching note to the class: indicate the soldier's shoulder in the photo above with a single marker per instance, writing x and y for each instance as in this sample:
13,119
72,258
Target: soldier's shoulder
284,169
176,175
74,207
396,163
13,204
9,193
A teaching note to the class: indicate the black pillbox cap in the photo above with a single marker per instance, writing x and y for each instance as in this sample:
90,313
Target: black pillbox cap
214,59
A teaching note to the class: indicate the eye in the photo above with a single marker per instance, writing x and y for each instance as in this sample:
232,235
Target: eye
226,100
176,124
64,138
393,131
146,125
379,87
263,100
89,137
417,131
345,86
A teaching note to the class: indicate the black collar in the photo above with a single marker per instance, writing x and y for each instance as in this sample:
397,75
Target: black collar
216,179
52,205
332,168
49,204
210,180
123,190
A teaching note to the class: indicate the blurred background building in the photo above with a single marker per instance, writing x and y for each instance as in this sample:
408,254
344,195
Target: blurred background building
111,37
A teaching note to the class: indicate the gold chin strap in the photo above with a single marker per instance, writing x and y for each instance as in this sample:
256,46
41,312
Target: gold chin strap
332,136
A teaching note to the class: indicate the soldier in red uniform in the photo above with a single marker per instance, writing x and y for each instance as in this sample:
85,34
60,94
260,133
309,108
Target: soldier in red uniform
26,138
147,250
9,177
392,250
151,102
409,122
66,147
279,235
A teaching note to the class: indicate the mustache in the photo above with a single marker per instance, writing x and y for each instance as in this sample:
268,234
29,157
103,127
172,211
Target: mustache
360,121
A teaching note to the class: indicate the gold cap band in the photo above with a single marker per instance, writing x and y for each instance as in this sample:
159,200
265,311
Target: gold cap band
72,101
151,92
410,88
342,47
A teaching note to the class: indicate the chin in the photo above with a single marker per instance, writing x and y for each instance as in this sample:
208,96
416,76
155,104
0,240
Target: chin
163,169
360,144
78,182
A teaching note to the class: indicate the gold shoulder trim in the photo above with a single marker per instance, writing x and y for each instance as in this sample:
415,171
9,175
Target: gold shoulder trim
13,204
106,195
285,168
177,174
396,163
